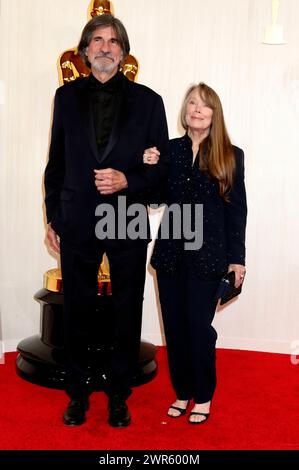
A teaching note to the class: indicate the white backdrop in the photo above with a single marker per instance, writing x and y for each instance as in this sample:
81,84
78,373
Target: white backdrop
176,42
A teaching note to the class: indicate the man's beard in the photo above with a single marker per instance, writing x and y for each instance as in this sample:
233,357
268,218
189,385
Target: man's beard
102,67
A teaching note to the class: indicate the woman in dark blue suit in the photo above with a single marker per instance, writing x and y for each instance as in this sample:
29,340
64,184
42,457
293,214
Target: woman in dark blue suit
205,168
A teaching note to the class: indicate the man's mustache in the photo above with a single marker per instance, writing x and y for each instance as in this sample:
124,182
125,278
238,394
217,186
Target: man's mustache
104,56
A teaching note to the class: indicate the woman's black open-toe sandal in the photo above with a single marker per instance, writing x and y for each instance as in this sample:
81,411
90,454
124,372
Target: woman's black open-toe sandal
182,411
206,416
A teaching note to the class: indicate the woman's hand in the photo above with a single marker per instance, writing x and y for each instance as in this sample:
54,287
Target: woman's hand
151,156
240,272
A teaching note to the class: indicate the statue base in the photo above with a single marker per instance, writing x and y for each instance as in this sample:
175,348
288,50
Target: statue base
41,357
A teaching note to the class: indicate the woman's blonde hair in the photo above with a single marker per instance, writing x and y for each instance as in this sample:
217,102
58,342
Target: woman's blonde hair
216,151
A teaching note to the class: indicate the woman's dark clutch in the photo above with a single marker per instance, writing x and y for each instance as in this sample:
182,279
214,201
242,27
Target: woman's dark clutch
226,289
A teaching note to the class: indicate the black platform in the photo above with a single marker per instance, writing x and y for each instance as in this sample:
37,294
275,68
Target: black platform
41,357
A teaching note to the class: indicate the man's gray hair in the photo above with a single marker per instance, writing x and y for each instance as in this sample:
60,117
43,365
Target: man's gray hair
103,21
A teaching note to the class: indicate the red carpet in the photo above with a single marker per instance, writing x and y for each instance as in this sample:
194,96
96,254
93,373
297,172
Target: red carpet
255,407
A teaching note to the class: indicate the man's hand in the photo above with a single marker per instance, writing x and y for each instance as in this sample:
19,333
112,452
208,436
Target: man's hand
52,239
109,181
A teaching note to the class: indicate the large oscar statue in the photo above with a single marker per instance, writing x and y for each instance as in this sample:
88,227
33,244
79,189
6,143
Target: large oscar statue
41,357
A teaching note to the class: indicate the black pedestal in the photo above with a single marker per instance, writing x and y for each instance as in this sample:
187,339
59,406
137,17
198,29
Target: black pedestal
41,357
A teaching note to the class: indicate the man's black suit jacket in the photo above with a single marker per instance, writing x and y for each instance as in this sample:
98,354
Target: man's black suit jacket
71,194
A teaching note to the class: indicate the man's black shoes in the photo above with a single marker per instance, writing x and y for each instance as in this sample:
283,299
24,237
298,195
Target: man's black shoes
119,416
74,415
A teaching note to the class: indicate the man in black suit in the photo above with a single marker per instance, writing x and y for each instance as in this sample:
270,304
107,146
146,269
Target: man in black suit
101,126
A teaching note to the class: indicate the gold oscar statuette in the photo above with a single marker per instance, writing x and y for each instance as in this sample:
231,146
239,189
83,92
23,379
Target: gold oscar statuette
53,279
